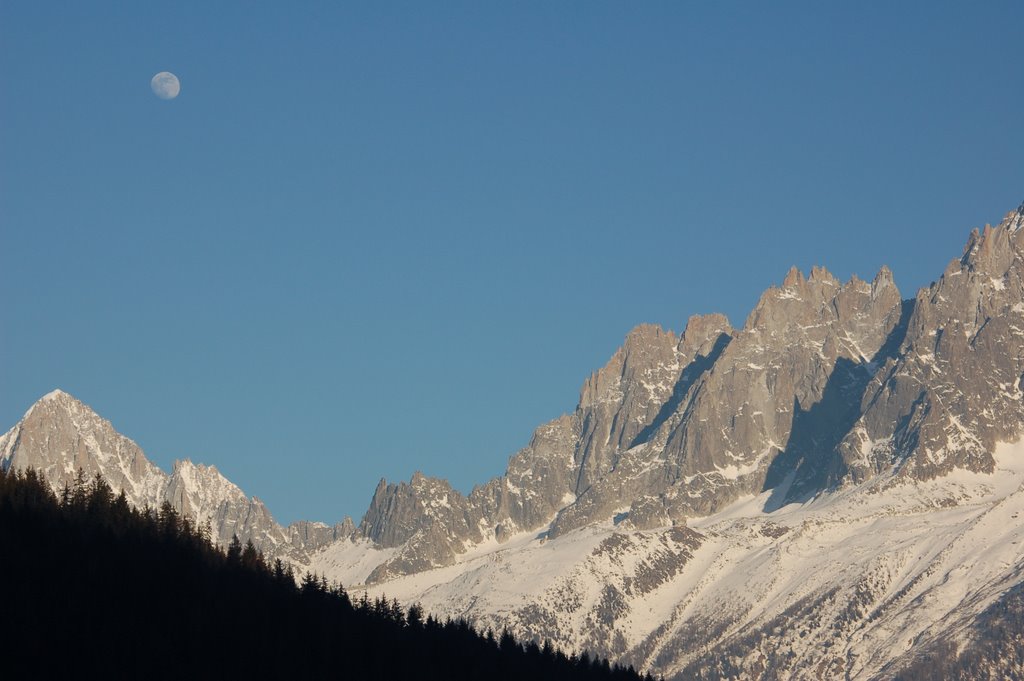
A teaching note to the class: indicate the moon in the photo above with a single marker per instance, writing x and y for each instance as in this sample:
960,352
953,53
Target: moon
165,85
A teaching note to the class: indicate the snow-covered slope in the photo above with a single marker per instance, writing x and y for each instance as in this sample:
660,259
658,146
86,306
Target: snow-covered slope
841,586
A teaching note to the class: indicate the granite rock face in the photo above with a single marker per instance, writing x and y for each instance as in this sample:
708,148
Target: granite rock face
431,523
429,520
308,536
955,386
59,435
827,383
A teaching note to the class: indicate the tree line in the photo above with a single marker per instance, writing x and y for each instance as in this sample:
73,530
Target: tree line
94,586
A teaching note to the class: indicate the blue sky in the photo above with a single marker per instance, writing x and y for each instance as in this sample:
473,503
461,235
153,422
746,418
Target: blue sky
374,238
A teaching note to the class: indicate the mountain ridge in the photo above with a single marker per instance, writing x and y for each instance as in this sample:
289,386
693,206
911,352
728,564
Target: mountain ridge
831,395
631,407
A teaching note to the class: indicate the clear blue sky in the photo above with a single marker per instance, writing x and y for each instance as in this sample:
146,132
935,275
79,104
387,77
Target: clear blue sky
373,238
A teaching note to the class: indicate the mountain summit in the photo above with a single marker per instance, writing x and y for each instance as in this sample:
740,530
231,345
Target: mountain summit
60,436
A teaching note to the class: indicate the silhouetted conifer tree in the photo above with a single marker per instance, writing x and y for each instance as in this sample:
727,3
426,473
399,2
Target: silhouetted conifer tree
414,617
178,607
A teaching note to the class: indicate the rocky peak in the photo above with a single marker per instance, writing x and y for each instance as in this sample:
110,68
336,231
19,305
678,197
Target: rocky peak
60,435
60,397
731,413
399,511
992,249
624,396
644,346
202,493
794,278
310,536
882,282
954,389
701,333
799,302
198,490
57,408
820,275
426,519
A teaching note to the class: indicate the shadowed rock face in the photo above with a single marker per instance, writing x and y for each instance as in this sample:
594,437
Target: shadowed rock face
619,400
308,536
671,426
954,387
60,436
736,414
429,520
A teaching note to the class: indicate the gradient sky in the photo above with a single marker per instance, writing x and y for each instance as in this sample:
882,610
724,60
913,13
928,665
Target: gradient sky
373,238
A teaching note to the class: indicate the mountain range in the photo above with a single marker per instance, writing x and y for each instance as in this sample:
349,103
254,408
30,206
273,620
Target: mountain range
831,491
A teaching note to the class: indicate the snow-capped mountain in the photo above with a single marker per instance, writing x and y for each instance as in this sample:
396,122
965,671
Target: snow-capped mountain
826,384
830,491
60,435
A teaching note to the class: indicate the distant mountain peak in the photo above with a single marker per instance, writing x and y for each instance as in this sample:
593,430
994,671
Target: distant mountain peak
56,394
822,275
884,277
58,398
794,277
60,435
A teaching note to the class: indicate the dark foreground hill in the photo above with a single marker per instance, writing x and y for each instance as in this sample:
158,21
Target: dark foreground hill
93,588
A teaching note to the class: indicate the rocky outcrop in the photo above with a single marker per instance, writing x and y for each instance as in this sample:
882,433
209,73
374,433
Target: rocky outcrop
309,536
954,388
622,399
736,406
426,517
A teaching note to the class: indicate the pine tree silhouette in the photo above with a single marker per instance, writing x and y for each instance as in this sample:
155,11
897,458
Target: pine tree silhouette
98,589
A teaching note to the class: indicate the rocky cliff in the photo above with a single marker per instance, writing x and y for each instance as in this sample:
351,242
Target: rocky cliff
827,383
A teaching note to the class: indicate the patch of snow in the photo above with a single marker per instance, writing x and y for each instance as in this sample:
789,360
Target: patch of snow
348,561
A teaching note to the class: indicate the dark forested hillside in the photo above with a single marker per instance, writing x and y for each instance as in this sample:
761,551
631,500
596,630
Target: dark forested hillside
92,587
